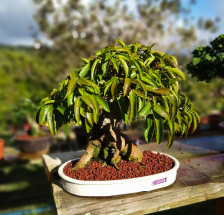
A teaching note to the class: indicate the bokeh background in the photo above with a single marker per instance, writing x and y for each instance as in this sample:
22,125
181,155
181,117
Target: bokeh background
42,41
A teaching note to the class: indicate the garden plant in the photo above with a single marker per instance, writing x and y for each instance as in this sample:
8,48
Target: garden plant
208,62
126,82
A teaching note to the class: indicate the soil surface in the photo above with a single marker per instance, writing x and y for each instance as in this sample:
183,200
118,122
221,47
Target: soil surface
152,163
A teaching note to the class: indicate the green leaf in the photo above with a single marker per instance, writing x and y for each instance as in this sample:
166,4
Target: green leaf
146,110
122,106
161,111
125,66
105,67
165,103
196,115
159,127
108,84
88,126
43,113
114,62
189,116
171,133
121,42
71,85
107,57
50,122
77,110
89,117
93,69
96,111
89,83
178,72
149,81
139,93
141,103
194,120
122,55
84,70
149,60
85,60
127,84
138,66
162,91
83,108
61,109
133,106
142,86
123,49
114,89
87,99
103,103
149,128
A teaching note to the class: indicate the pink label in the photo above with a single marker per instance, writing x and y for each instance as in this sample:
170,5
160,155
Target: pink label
159,181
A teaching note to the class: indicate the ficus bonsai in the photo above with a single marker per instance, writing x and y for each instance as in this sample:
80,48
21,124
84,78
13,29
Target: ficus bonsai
120,83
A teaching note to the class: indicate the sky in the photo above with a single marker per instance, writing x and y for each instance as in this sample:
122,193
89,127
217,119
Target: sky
17,15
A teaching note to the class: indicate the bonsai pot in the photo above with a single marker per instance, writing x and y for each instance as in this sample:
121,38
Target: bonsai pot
118,187
27,143
1,149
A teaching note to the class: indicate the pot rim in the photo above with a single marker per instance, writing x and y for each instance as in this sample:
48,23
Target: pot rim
48,136
76,181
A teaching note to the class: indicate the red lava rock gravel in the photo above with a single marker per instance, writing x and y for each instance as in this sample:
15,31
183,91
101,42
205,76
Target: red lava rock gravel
152,163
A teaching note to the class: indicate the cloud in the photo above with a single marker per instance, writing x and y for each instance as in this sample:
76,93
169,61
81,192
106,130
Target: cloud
15,19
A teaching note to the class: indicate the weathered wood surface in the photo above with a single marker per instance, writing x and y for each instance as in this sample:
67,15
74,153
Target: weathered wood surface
198,179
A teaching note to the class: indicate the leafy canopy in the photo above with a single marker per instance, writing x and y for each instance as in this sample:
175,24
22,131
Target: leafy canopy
128,82
208,62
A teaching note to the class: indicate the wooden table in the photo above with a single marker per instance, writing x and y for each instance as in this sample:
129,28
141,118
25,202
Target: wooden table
199,178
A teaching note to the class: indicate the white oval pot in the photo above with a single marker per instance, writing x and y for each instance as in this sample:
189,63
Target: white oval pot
118,187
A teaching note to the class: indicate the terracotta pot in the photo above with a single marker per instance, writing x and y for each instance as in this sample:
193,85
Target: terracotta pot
214,120
1,149
30,144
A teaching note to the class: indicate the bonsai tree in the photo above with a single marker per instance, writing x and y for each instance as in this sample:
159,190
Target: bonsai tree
208,62
24,114
120,83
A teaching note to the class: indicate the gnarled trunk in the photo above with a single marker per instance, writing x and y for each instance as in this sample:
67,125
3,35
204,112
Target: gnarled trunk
108,144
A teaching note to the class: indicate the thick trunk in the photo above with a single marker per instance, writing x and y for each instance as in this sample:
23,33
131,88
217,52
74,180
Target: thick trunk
108,144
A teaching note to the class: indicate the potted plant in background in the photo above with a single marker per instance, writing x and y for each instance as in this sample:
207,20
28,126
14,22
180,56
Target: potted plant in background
117,84
31,138
207,64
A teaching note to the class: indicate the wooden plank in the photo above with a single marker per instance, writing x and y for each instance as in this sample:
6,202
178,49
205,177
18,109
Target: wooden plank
195,183
179,151
140,203
51,162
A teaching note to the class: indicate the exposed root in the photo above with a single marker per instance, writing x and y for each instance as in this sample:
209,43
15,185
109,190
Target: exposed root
92,150
104,137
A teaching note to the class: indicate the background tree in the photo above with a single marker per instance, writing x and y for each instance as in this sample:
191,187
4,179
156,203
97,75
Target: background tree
208,62
77,30
120,83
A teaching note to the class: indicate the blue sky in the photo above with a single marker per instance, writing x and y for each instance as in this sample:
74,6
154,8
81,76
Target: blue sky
16,16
